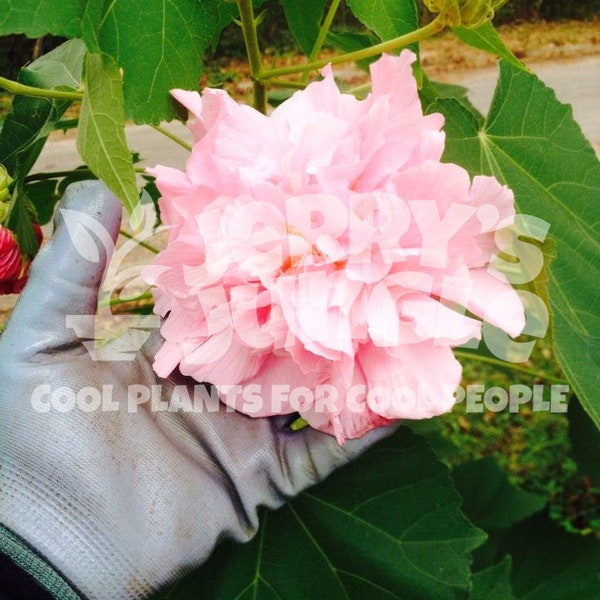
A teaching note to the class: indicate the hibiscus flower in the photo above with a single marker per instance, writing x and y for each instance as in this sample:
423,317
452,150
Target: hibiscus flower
325,256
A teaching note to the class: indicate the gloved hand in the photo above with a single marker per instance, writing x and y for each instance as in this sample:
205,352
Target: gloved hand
121,502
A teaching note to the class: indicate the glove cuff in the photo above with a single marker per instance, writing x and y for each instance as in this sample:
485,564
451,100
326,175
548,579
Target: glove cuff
38,570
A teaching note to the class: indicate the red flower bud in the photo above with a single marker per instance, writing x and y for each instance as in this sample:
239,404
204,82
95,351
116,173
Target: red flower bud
14,267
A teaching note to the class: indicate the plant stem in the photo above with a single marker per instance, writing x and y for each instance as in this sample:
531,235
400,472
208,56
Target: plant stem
117,301
253,51
14,87
58,174
172,136
146,245
404,40
507,365
287,83
55,175
322,35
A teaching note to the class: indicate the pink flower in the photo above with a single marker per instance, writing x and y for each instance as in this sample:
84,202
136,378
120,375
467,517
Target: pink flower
14,267
316,256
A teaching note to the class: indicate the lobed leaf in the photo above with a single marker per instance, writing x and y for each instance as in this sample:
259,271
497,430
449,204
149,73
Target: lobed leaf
497,504
585,441
387,18
36,18
493,583
531,142
159,44
386,526
549,563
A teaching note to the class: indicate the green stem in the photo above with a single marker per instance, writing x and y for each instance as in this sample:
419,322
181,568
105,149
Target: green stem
172,136
404,40
287,83
117,301
322,35
55,175
14,87
58,174
146,245
253,51
507,365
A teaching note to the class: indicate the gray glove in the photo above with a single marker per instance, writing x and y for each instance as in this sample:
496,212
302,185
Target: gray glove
118,501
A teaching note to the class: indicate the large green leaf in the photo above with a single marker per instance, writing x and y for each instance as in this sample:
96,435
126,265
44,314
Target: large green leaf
550,564
158,43
387,526
493,583
485,37
160,46
31,119
350,41
387,18
531,142
304,20
39,17
101,136
19,221
489,500
585,441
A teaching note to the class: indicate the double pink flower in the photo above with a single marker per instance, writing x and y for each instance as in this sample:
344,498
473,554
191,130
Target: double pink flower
326,248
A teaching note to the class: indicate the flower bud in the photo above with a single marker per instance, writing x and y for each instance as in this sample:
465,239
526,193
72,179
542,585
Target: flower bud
11,262
464,13
5,182
14,267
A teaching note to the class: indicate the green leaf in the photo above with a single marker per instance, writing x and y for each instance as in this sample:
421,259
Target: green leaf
485,37
431,91
549,563
36,18
43,196
585,441
19,221
387,526
31,120
304,20
493,583
350,41
387,18
101,136
158,43
531,142
489,500
431,430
